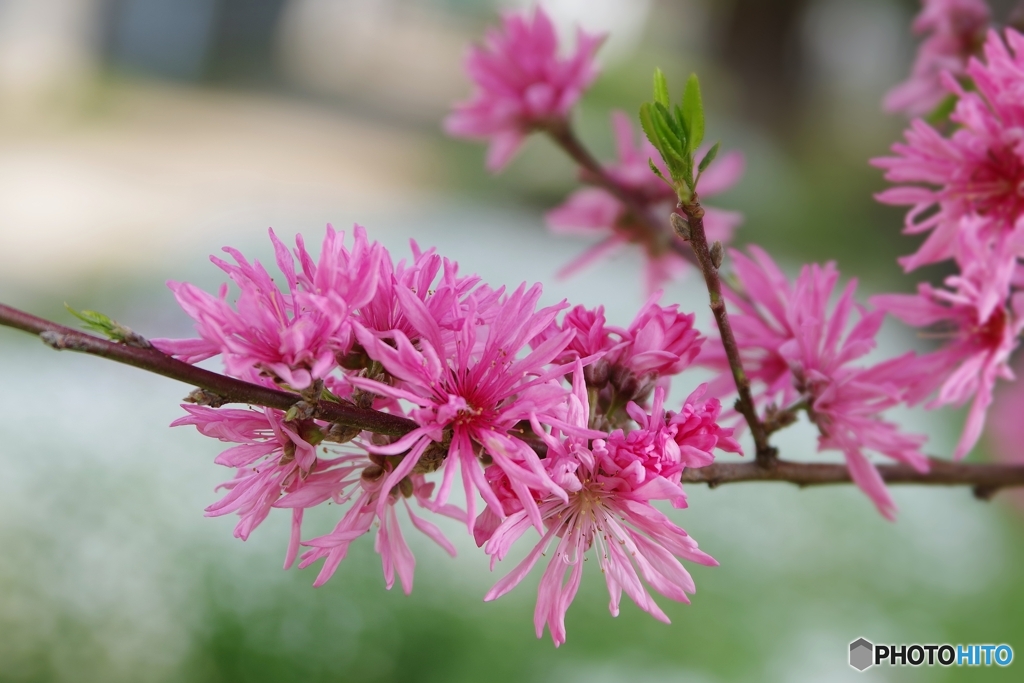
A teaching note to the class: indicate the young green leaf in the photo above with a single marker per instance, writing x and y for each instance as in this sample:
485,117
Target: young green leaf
647,124
660,88
673,134
708,158
111,329
657,171
681,121
693,113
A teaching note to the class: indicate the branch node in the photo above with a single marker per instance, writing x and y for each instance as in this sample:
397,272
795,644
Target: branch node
55,340
985,492
202,397
301,410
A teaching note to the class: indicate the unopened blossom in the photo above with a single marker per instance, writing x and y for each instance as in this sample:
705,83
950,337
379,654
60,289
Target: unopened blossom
625,364
594,211
980,322
978,170
293,334
799,350
608,508
954,30
470,392
661,340
522,83
664,443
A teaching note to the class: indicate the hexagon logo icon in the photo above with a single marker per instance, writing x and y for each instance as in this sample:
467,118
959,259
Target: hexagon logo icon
861,654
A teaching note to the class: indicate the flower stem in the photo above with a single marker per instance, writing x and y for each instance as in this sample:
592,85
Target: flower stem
765,453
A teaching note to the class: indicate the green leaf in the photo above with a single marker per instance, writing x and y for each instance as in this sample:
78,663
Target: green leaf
647,124
708,158
681,122
111,329
660,88
693,113
657,171
673,134
97,322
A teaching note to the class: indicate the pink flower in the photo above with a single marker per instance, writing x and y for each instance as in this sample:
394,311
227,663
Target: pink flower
659,341
272,458
981,322
432,279
956,29
591,335
978,170
363,479
521,84
293,335
608,506
471,391
799,349
595,211
663,444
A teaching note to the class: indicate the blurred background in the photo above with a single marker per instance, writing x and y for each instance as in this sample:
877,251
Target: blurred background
138,136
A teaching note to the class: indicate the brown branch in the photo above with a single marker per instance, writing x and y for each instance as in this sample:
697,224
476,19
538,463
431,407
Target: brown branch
698,240
229,389
986,479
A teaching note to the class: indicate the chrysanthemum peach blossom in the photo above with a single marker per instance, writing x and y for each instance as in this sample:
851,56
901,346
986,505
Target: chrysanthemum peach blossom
981,321
799,348
293,335
273,457
521,83
608,507
471,392
978,170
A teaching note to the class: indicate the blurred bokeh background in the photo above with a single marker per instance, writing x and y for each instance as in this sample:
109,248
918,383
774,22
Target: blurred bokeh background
138,136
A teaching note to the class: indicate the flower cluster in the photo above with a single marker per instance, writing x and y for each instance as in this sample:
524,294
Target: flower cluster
966,190
522,87
553,419
522,84
799,350
545,418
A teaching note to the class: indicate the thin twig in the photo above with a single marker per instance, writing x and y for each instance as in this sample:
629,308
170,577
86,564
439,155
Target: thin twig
229,389
694,214
985,478
648,230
